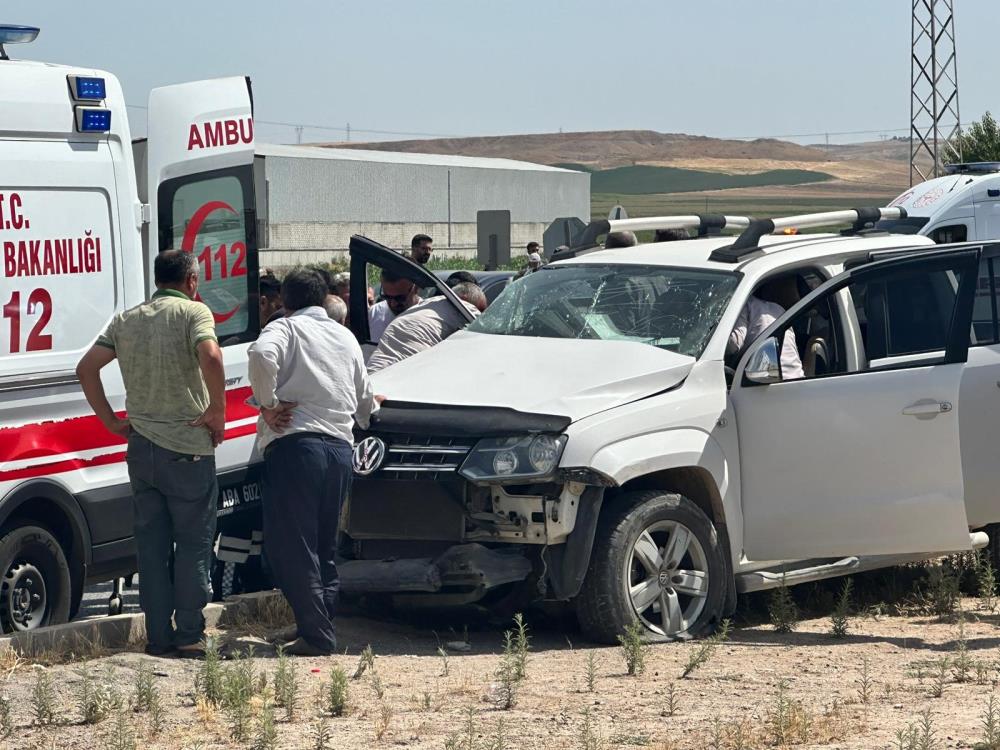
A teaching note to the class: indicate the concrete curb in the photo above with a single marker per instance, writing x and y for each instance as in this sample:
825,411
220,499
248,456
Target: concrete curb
121,631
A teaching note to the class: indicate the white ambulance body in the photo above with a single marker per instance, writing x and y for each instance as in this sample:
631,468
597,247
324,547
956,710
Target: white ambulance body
962,205
78,232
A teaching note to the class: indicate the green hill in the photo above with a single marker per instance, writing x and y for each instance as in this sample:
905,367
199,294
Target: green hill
642,179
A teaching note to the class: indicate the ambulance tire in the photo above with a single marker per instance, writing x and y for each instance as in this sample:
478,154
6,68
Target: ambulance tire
35,581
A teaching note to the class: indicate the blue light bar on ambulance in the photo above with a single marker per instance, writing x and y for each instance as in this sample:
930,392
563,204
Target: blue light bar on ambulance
93,120
87,88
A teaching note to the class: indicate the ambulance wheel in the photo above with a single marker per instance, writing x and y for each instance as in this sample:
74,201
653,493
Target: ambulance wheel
35,588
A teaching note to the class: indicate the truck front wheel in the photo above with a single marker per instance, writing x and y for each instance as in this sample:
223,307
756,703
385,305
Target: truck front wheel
657,560
35,587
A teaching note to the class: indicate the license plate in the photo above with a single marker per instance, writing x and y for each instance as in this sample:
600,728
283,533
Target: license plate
238,496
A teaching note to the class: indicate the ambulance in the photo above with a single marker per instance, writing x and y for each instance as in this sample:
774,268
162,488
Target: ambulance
962,205
83,213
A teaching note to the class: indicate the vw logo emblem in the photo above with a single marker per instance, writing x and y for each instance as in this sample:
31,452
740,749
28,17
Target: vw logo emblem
368,456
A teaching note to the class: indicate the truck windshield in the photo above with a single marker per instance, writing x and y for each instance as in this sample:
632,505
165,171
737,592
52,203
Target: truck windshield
670,308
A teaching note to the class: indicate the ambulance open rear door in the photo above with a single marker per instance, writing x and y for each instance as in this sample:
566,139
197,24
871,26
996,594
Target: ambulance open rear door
200,191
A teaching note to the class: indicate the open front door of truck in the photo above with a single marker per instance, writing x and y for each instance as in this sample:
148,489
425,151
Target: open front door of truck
365,252
200,190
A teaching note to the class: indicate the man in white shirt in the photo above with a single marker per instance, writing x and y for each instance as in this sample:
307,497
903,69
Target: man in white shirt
425,325
398,296
309,378
758,314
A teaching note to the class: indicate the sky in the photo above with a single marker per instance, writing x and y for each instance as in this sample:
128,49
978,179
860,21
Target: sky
723,68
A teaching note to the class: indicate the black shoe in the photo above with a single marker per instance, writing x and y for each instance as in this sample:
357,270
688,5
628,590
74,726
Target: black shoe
192,651
285,635
165,652
301,647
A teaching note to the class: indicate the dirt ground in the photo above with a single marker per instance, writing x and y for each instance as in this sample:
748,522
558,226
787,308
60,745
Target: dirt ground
806,685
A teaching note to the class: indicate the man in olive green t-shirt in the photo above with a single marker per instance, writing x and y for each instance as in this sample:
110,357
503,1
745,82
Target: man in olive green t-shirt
175,390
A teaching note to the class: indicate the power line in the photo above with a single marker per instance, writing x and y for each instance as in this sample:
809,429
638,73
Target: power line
298,126
348,130
824,134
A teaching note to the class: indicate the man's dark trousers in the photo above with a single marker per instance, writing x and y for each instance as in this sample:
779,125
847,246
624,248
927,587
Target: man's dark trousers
175,497
307,475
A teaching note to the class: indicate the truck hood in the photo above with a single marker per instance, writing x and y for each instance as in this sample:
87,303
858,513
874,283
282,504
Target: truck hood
563,377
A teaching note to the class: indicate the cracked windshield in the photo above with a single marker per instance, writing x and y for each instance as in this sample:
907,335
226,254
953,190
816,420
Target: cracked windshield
670,308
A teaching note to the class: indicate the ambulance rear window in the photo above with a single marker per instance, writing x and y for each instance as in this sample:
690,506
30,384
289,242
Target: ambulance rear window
211,215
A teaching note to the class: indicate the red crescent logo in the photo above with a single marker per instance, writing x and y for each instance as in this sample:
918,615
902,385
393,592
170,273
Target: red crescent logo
191,233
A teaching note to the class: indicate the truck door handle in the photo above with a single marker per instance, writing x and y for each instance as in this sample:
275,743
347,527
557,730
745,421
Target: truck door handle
927,408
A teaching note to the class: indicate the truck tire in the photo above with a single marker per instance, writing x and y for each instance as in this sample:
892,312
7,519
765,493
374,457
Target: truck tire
35,584
631,579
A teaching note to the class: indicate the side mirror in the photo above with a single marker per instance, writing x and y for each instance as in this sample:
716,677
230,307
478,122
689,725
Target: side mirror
764,366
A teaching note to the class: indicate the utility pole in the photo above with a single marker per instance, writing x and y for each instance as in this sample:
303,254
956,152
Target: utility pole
298,133
934,119
348,132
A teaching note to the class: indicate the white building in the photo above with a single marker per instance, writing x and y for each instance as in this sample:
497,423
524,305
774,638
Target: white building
312,199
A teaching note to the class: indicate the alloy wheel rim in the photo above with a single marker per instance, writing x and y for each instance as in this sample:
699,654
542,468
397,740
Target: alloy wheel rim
666,577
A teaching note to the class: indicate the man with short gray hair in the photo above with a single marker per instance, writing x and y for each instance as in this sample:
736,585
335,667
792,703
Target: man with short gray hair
336,308
424,325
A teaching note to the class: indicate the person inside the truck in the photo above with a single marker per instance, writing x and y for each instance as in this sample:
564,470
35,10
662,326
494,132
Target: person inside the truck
398,296
620,239
763,307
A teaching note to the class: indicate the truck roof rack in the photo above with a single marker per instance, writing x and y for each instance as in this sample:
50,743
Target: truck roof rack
749,242
973,167
706,224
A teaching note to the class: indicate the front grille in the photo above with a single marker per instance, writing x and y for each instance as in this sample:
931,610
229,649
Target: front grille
421,457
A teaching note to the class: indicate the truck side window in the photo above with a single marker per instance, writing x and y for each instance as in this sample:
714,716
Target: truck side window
901,314
984,308
211,214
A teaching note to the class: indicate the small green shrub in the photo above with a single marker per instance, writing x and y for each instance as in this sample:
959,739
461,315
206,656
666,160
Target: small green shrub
336,692
839,623
43,699
633,648
783,610
701,655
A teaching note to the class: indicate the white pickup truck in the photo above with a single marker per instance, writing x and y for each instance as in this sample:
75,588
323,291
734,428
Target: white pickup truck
589,439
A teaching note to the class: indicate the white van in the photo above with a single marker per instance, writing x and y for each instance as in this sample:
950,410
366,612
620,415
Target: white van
962,205
79,227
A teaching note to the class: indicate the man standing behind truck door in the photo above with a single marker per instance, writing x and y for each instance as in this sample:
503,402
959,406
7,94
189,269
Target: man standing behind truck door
308,376
175,400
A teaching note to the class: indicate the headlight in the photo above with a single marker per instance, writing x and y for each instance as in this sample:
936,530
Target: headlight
514,458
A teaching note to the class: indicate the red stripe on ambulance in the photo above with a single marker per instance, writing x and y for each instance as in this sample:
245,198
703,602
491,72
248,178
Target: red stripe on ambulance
56,439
